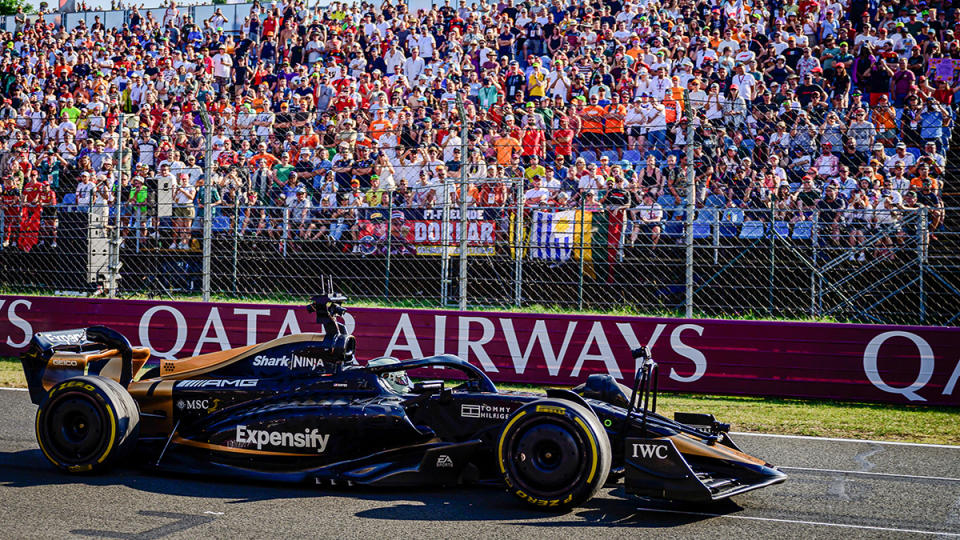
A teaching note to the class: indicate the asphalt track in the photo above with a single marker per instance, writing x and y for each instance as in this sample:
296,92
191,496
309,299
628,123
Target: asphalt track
837,489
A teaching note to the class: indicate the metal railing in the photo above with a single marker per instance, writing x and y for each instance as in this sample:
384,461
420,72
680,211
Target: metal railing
880,267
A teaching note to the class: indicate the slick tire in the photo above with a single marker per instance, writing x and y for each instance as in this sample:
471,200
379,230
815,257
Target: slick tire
554,454
86,424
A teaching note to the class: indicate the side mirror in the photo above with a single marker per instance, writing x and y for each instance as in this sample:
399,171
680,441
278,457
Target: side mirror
426,387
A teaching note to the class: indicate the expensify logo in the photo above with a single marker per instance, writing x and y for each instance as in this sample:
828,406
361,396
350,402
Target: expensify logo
310,438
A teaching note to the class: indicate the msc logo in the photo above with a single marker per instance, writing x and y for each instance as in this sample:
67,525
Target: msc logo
193,404
650,450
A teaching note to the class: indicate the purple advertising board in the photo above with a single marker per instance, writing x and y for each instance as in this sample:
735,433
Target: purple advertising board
897,364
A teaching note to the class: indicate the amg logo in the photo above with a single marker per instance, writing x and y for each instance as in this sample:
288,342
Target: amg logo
193,404
484,411
308,439
290,362
64,362
650,450
218,383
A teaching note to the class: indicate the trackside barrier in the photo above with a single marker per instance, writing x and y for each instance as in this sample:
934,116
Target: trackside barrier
895,364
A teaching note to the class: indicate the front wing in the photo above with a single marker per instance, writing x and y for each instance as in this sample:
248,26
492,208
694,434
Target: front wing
656,468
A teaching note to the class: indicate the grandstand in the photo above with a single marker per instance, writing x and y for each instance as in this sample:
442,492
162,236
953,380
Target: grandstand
819,137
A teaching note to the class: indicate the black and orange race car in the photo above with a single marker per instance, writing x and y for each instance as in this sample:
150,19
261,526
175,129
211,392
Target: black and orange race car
300,408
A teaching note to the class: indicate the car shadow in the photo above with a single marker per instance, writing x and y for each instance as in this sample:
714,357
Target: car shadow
612,508
28,468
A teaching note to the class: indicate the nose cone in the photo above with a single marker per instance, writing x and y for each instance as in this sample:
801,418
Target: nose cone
772,475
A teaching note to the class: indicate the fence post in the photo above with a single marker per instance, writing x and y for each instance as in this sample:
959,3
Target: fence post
518,246
114,255
286,230
582,263
690,206
814,280
771,270
207,211
922,236
463,203
236,240
445,244
386,274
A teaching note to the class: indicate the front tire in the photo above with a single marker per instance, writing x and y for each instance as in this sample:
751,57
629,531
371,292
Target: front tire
86,424
554,454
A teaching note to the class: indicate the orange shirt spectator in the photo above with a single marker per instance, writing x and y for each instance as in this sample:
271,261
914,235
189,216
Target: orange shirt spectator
615,115
916,182
592,116
311,140
265,156
506,148
378,127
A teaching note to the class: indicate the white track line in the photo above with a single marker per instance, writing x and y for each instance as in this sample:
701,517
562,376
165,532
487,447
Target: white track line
13,389
799,522
868,473
835,439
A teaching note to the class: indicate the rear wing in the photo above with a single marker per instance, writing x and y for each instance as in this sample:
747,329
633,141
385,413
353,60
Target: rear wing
97,350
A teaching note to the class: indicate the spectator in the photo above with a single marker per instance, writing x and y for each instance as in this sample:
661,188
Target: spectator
647,219
818,88
183,211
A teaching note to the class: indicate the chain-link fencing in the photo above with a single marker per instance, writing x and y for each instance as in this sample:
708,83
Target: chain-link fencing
685,209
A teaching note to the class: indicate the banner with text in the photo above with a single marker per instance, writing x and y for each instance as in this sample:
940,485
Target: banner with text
899,364
420,231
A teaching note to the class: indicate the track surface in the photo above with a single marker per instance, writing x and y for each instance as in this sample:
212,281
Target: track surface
837,489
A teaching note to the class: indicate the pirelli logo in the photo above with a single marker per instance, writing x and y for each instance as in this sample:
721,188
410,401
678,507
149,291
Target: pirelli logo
550,409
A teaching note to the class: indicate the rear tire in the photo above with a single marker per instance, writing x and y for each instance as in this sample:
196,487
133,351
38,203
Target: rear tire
86,424
554,454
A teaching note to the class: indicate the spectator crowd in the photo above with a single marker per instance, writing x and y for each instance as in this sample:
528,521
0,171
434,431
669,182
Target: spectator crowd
836,110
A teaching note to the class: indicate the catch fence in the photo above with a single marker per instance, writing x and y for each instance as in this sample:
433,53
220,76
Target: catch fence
744,264
603,227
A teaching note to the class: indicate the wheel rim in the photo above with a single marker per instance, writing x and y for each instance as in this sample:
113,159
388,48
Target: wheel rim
548,458
74,427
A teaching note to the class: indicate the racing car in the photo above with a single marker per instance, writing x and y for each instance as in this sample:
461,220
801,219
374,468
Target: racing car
301,408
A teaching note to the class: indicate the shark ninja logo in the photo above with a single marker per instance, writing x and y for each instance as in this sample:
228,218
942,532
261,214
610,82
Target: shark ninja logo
288,361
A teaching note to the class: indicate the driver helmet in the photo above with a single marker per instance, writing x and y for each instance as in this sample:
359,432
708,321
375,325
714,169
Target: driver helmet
395,380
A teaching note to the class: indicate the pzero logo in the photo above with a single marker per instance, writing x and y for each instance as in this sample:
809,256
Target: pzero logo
218,383
491,412
310,438
650,450
289,362
64,362
193,404
444,462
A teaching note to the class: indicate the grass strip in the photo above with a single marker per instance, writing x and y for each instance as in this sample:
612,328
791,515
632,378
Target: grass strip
819,418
